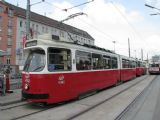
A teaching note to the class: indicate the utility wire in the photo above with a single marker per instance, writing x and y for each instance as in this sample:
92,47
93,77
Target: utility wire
98,30
77,6
139,36
53,5
92,26
126,20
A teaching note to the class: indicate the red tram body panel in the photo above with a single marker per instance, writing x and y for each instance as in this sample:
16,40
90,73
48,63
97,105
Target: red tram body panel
128,74
73,84
141,68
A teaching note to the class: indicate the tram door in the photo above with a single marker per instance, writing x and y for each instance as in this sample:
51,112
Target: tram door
59,62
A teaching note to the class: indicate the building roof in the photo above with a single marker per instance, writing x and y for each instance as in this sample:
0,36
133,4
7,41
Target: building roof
20,12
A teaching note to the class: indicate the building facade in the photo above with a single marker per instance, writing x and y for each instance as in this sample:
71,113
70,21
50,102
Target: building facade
156,58
13,32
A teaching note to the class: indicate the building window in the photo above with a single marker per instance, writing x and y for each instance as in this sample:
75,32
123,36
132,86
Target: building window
42,29
36,27
61,33
10,13
21,23
8,51
10,22
9,41
1,22
33,27
1,9
8,60
9,30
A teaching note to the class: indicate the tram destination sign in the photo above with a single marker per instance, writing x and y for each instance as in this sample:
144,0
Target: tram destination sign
31,43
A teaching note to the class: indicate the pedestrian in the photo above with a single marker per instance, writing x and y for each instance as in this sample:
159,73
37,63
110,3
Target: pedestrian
7,74
2,88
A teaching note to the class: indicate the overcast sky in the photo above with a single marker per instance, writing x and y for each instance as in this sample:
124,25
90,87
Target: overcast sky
108,21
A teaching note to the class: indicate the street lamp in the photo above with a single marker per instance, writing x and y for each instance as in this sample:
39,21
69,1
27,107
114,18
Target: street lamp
28,16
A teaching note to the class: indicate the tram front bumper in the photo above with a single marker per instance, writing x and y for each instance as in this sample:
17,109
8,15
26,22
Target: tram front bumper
26,95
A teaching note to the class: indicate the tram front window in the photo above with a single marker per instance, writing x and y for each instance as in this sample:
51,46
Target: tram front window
154,65
35,61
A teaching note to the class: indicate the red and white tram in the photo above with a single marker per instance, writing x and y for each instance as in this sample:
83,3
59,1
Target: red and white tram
57,71
154,68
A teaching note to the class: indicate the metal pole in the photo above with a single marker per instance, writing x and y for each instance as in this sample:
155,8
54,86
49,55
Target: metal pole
114,42
135,53
142,54
28,19
129,51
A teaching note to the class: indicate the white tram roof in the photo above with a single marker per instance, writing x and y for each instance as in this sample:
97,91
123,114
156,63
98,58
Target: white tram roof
55,41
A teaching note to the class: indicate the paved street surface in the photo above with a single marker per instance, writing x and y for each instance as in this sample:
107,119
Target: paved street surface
147,106
9,98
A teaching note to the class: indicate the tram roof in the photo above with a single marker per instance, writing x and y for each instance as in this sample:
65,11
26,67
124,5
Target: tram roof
71,43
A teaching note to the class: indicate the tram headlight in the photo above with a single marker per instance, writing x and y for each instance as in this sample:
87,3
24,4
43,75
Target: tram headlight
26,87
27,81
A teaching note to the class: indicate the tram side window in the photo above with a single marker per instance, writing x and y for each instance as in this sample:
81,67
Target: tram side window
138,64
114,62
132,64
97,61
107,62
83,60
125,63
59,59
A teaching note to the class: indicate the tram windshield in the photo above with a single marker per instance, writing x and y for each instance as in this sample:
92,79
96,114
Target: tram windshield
154,65
35,61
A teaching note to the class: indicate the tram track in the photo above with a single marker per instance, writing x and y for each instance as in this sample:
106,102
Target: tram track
143,93
14,105
23,106
31,110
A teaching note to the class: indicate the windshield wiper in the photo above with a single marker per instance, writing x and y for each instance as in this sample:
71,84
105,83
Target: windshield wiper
39,67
